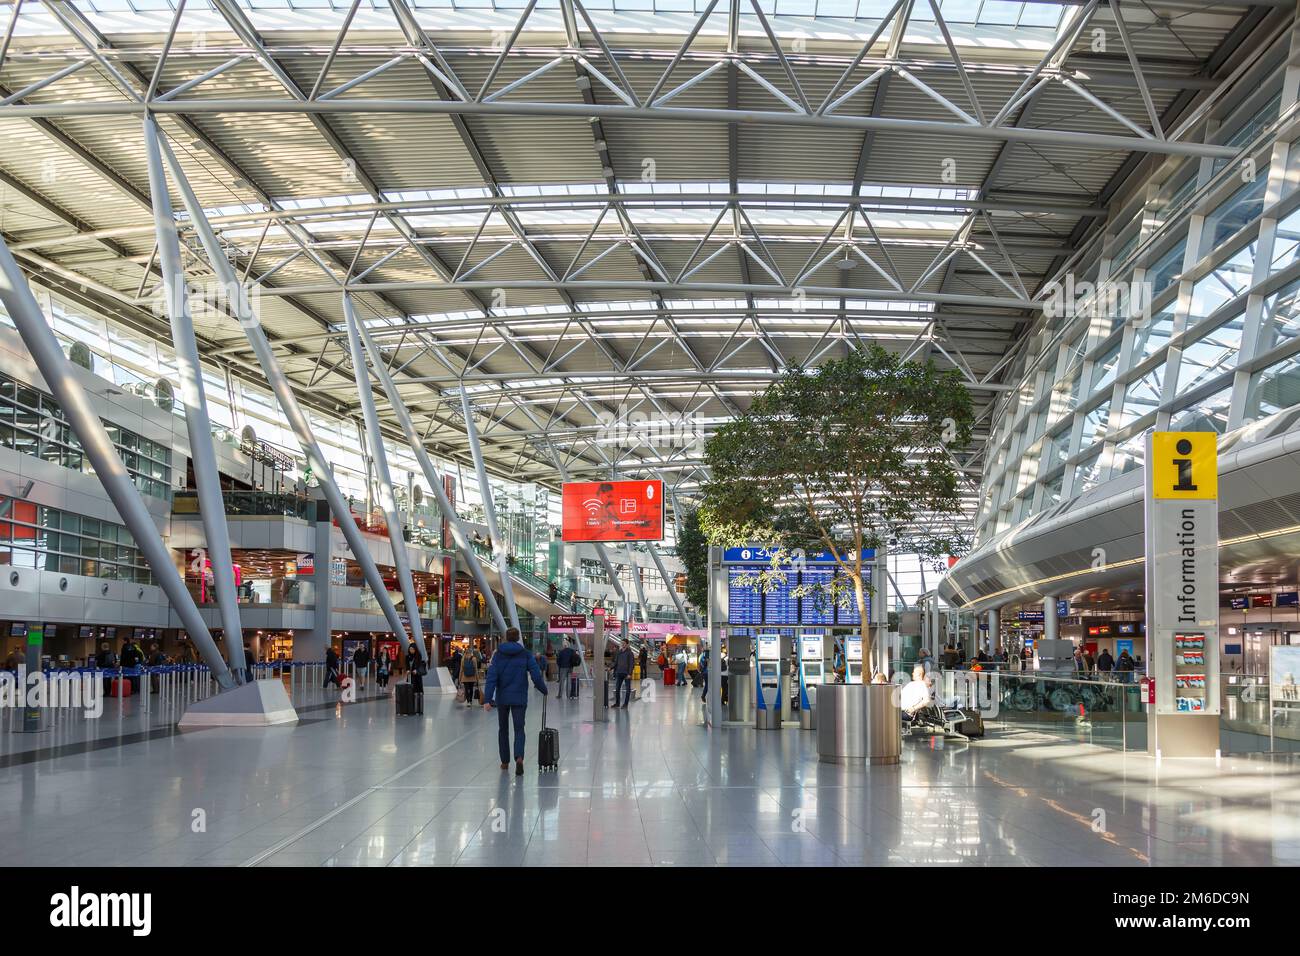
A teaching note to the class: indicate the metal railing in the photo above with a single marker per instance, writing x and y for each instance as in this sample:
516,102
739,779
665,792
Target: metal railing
254,503
1107,712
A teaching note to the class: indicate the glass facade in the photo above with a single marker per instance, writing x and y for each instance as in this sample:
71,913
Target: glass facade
32,423
1190,320
34,536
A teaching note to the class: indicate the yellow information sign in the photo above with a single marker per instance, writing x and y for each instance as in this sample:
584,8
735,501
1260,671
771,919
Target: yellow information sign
1185,465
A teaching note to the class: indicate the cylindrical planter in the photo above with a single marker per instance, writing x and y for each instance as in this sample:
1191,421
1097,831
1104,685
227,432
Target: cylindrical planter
858,722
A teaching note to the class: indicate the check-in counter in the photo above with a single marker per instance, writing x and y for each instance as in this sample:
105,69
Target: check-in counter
858,723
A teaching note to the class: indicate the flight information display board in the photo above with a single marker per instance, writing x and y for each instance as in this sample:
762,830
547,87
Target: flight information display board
850,615
780,607
745,603
817,608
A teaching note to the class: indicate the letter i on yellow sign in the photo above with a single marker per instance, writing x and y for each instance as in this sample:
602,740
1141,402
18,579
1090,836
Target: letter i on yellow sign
1185,465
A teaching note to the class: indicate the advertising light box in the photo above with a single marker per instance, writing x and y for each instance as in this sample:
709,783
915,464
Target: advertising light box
612,511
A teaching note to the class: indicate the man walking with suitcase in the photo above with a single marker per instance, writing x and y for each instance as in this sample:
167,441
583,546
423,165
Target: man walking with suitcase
506,689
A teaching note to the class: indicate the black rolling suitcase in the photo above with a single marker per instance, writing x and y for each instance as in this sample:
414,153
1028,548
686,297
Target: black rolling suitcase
971,723
548,744
404,694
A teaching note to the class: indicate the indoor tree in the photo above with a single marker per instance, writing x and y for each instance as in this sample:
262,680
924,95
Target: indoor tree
855,454
693,552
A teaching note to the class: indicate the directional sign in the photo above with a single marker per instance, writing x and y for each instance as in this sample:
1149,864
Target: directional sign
566,622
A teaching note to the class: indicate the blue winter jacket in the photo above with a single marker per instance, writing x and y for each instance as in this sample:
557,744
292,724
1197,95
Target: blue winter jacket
507,676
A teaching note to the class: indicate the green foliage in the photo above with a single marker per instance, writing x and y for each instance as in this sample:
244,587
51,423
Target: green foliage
851,455
693,550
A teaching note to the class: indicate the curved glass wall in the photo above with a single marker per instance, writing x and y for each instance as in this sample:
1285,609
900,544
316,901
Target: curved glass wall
1185,314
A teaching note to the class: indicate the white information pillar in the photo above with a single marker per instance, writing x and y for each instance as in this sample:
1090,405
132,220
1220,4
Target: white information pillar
995,630
1182,592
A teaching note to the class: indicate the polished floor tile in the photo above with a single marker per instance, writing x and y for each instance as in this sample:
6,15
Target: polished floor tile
355,786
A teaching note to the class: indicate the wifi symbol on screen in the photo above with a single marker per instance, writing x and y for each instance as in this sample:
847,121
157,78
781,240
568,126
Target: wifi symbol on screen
593,506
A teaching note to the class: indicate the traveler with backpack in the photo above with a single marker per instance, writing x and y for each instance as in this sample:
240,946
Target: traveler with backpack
567,660
623,664
471,662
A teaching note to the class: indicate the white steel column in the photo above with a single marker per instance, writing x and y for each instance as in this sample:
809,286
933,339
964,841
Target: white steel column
387,500
669,583
636,582
212,508
84,420
1051,621
995,630
489,509
237,298
434,478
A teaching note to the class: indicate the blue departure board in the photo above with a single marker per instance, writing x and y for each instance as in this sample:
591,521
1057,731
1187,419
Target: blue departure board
817,608
780,607
745,603
850,615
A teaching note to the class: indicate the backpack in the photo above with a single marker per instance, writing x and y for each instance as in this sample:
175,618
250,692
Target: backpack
468,665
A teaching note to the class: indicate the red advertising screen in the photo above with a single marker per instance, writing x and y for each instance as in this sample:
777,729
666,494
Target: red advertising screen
613,511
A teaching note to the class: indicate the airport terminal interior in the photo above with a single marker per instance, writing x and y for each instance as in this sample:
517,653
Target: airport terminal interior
677,433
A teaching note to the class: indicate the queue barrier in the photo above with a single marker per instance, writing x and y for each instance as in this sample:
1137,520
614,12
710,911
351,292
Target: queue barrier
171,686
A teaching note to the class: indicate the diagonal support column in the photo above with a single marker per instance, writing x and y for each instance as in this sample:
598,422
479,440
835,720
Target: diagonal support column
72,398
489,509
212,508
669,583
387,500
237,299
636,581
433,477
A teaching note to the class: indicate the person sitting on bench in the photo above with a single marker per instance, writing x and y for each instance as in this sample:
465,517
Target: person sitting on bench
915,695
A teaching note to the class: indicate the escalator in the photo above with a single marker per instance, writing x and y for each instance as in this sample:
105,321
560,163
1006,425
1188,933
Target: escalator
532,594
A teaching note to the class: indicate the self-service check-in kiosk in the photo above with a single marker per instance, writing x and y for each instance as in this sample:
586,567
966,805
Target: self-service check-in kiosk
768,683
812,671
853,659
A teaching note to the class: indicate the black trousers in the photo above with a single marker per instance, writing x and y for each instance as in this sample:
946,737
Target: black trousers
622,682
